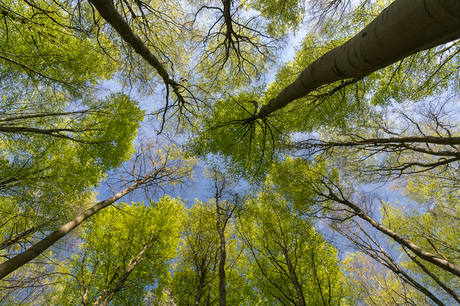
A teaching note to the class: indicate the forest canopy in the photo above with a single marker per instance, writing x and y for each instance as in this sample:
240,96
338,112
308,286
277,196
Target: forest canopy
323,172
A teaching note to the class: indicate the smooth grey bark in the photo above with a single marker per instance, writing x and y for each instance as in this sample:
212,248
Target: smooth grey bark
433,276
389,140
403,28
374,249
21,259
440,262
107,10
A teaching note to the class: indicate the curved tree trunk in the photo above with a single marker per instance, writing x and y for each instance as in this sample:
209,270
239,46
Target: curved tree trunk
403,28
444,264
21,259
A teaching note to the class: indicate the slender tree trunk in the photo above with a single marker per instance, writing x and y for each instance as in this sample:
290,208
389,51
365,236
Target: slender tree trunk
222,281
223,255
392,141
221,223
433,276
382,257
132,265
403,28
21,259
440,262
295,280
200,287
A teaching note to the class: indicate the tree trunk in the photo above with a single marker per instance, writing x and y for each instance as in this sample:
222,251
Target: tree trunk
294,279
441,263
403,28
223,258
200,287
223,254
433,276
131,266
107,10
21,259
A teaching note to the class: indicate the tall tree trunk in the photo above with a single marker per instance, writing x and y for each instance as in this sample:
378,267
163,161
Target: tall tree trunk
294,279
107,10
200,287
403,28
404,242
21,259
223,258
223,254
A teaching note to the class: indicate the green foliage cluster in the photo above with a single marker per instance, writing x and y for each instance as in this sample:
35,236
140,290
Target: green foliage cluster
111,242
44,42
286,249
47,168
307,167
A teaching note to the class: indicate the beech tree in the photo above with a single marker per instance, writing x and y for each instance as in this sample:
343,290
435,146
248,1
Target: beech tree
125,249
378,286
197,272
403,28
307,145
347,208
291,264
162,169
196,269
407,139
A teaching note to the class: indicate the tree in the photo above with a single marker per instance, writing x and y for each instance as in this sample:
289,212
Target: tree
291,264
378,286
408,139
321,191
209,57
197,272
331,187
124,250
99,135
415,144
368,244
432,230
58,135
379,44
194,277
111,15
51,44
224,212
160,170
